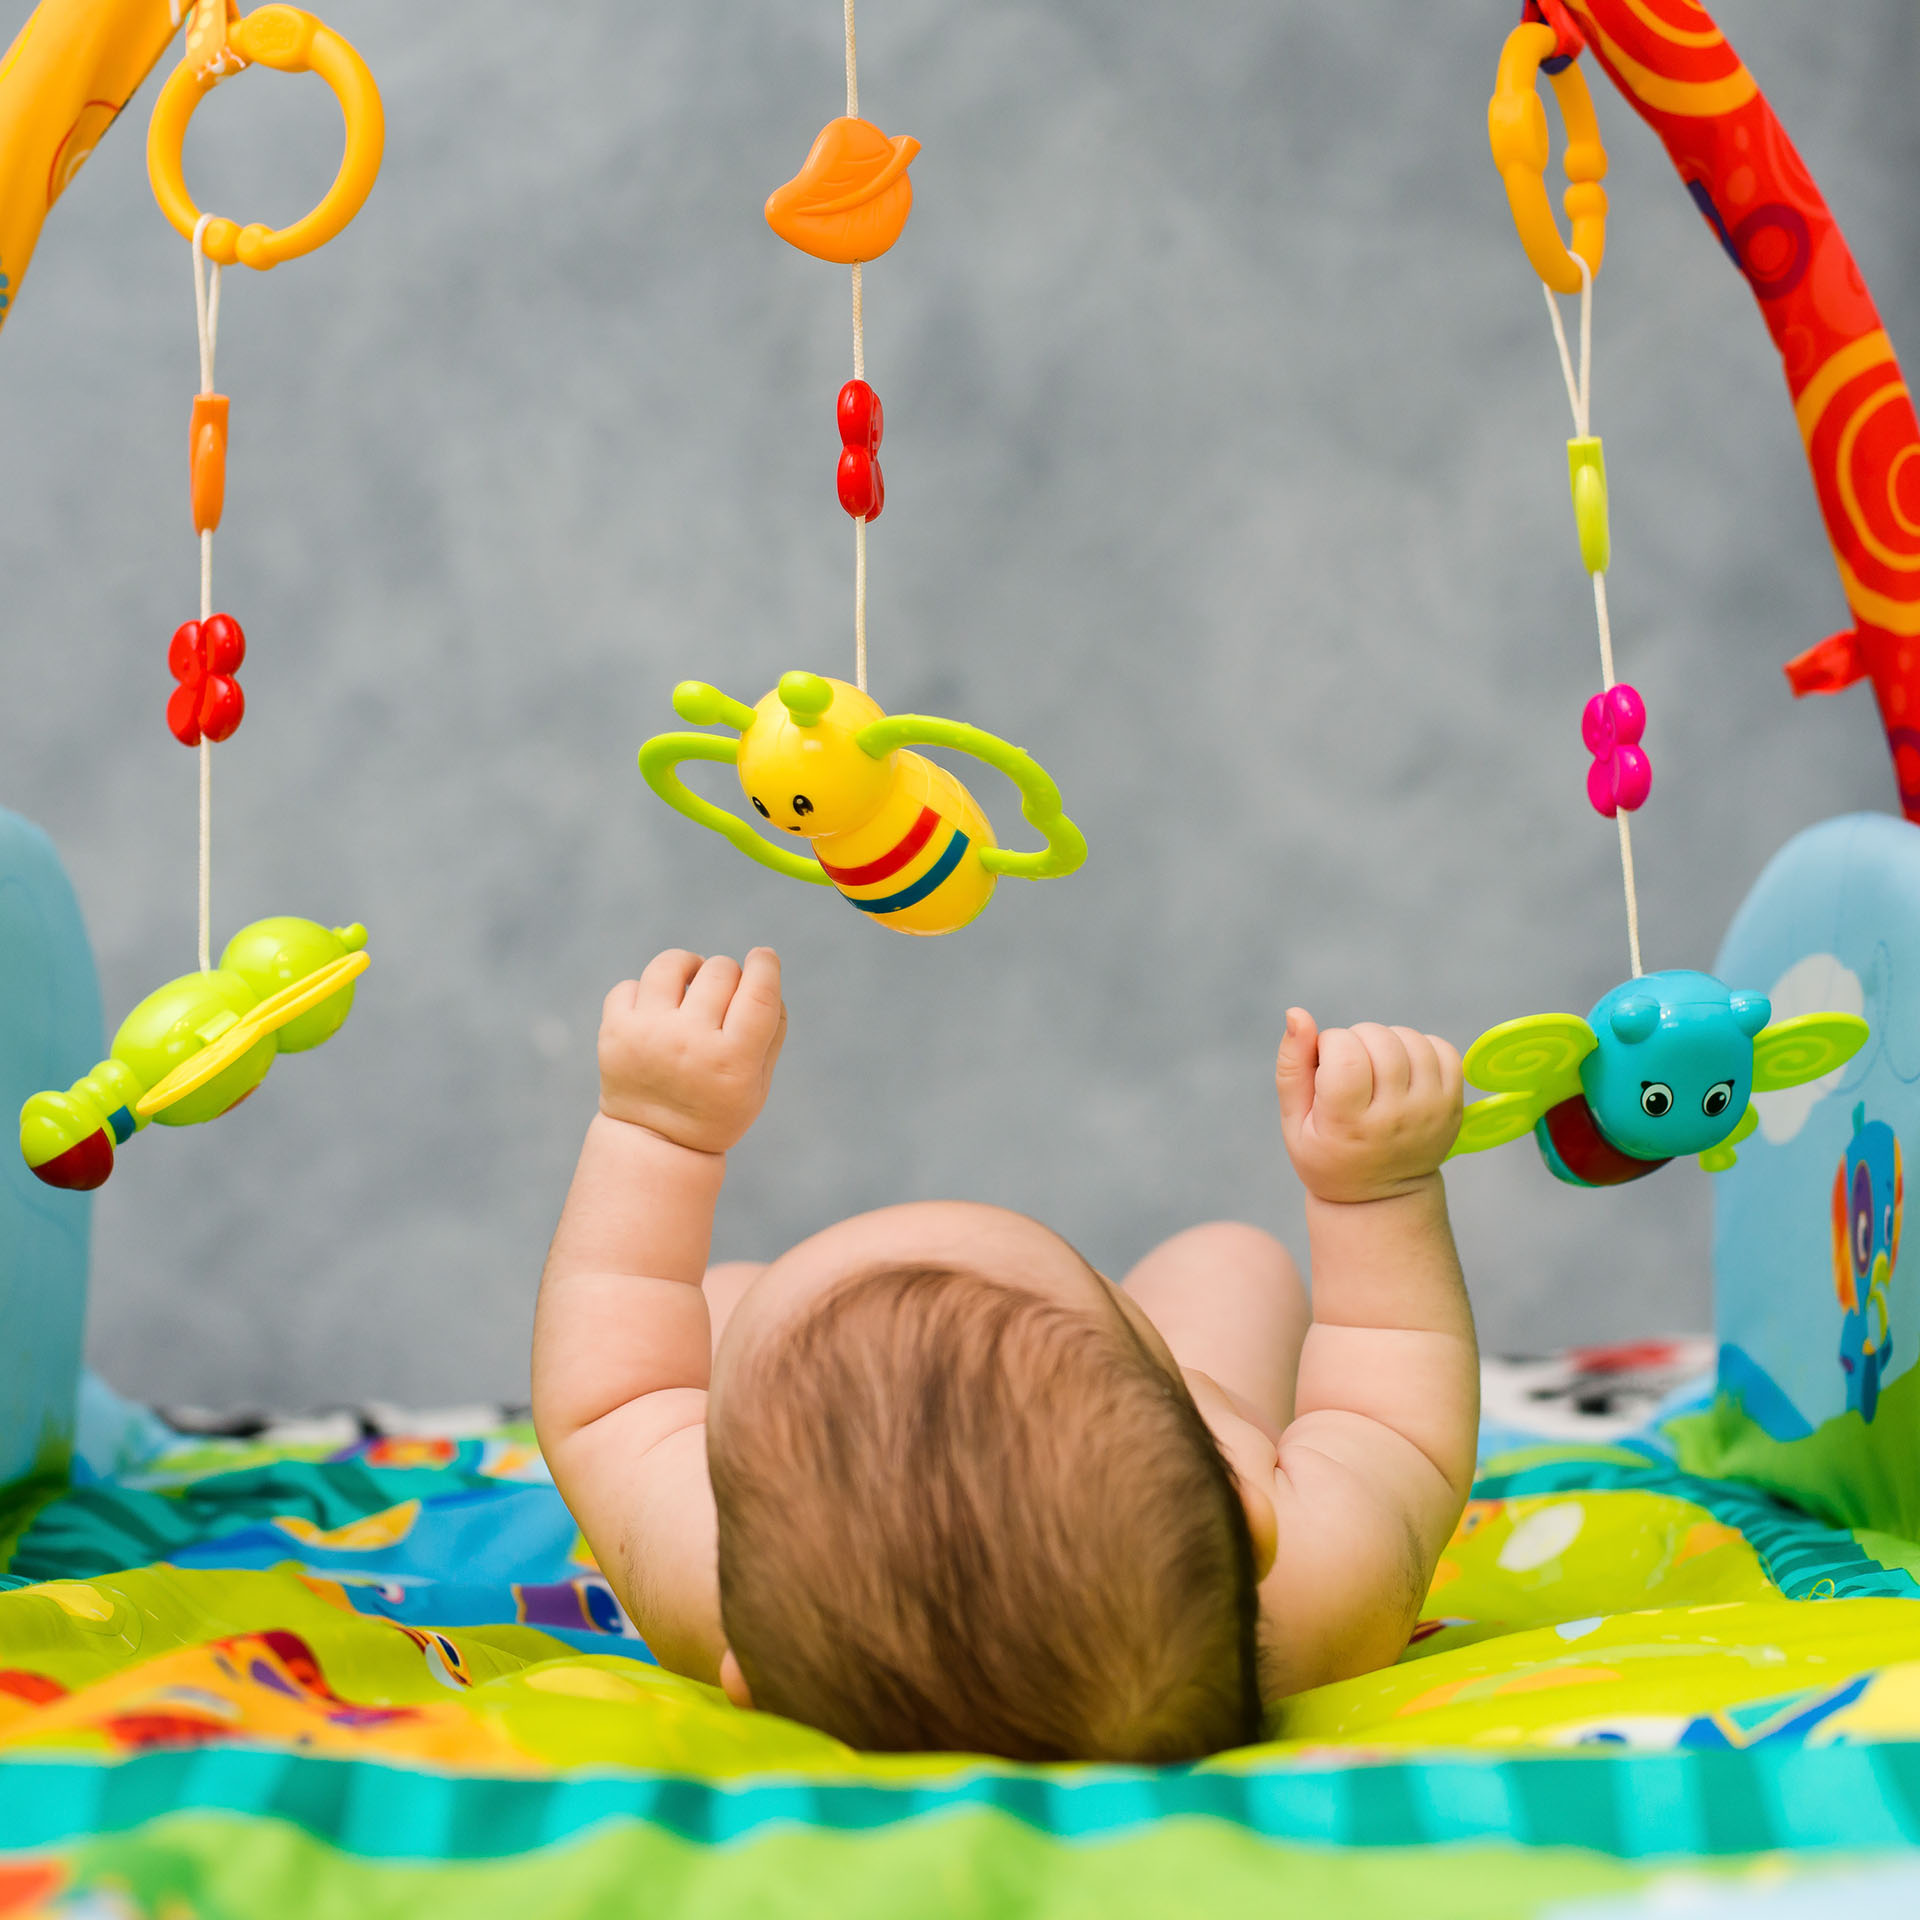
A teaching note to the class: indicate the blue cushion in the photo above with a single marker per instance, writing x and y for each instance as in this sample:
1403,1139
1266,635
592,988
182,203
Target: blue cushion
1819,1325
50,1034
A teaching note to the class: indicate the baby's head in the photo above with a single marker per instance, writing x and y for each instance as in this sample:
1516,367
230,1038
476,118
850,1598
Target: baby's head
969,1504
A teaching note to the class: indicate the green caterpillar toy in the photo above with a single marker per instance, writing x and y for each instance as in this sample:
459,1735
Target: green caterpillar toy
195,1048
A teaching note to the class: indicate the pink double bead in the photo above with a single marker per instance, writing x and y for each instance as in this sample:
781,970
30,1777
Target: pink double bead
1621,776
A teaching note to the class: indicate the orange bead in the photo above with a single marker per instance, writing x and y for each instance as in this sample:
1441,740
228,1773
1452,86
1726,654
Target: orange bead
207,459
851,198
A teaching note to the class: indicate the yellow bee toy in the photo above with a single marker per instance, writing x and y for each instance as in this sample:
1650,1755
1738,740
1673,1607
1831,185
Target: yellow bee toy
900,838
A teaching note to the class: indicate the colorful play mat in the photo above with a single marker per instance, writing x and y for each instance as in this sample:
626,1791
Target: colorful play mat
366,1665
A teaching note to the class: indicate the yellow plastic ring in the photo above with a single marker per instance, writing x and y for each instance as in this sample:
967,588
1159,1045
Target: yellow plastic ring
277,1011
1517,132
290,41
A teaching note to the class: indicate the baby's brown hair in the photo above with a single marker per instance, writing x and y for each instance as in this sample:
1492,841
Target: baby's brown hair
958,1515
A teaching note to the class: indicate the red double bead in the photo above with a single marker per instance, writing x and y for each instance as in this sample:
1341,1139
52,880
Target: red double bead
204,657
863,489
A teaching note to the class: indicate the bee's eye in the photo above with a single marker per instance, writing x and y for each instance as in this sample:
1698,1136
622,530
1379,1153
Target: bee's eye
1656,1098
760,807
802,805
1719,1098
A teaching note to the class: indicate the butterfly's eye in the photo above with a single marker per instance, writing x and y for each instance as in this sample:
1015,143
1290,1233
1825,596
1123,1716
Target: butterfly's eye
1718,1099
760,807
1656,1098
802,805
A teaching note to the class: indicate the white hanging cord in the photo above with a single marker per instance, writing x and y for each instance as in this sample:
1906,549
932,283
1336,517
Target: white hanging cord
860,603
1605,625
1580,400
1580,391
206,300
1633,898
859,373
206,309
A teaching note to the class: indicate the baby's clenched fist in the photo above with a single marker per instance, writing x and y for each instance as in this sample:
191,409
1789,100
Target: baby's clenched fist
1369,1111
688,1049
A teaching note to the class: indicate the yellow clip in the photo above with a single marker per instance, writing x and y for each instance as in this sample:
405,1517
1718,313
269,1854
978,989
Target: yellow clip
1517,132
1587,476
289,41
241,1035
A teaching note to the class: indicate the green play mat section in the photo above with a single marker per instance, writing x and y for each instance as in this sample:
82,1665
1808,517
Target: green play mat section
286,1674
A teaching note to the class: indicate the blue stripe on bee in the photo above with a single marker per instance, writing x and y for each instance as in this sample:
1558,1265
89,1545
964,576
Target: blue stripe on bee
913,895
121,1121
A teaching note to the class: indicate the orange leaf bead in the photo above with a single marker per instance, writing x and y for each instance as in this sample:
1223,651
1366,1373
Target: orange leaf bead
851,198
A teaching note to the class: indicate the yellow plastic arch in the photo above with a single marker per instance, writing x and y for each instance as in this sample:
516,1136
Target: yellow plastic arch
290,41
70,70
1517,132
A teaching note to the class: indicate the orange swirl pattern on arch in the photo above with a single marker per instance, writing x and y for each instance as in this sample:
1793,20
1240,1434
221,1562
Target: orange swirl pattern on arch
1855,415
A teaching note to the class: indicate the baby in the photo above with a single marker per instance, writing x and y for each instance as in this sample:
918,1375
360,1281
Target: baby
929,1480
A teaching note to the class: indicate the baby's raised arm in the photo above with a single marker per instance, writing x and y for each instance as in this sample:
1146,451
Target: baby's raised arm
621,1341
1373,1473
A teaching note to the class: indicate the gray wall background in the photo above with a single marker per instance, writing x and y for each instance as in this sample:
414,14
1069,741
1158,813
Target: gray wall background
1225,471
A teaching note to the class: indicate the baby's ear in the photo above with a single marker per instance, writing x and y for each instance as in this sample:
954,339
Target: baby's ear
733,1683
1262,1524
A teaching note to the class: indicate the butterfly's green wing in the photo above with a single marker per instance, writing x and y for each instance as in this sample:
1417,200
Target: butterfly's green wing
1526,1066
1539,1055
1796,1051
1494,1121
1719,1159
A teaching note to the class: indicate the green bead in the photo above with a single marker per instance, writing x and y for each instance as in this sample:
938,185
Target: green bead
1587,477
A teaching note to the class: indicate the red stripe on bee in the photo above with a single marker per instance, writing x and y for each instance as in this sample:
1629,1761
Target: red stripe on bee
889,862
